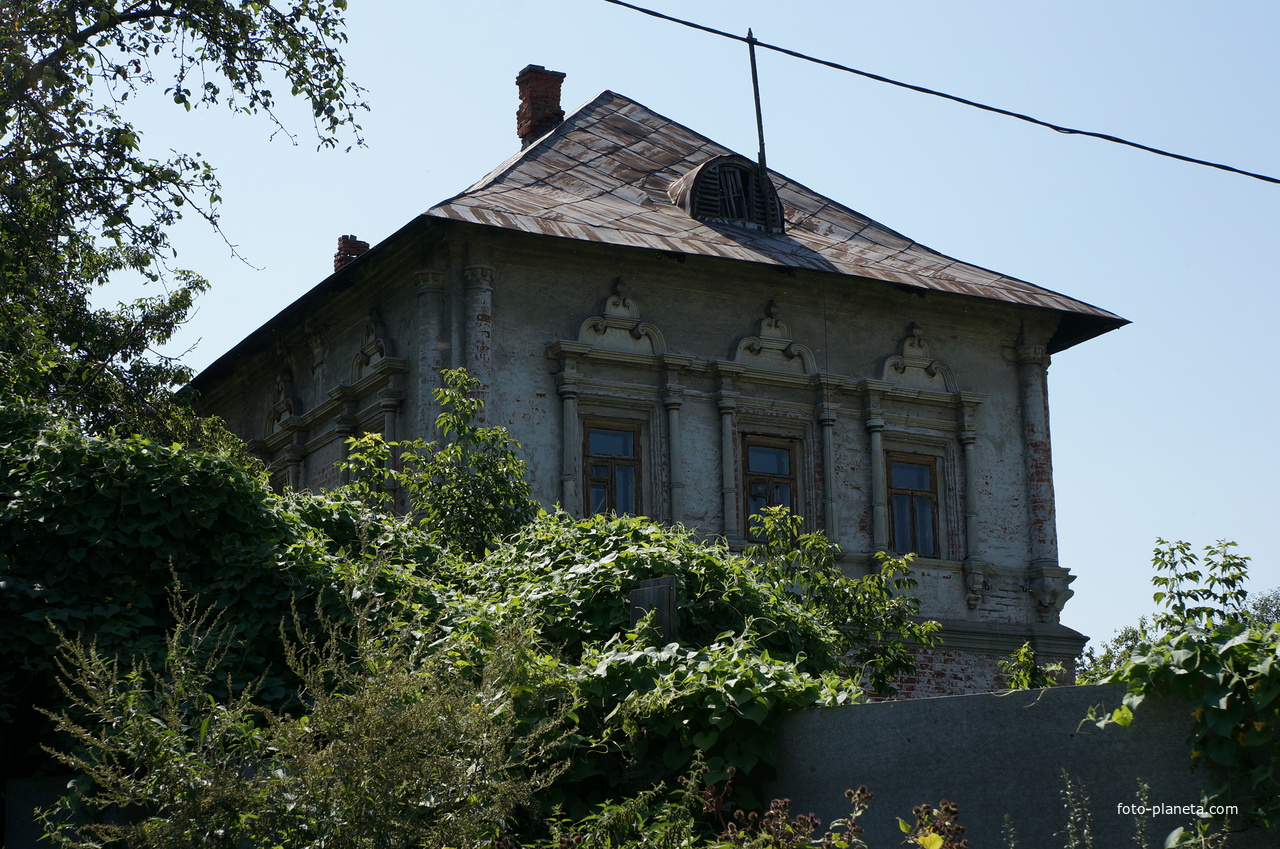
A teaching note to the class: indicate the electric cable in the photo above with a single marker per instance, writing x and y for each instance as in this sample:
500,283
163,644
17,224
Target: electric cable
748,39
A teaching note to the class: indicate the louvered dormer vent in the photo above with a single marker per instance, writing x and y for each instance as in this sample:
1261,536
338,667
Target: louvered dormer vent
729,190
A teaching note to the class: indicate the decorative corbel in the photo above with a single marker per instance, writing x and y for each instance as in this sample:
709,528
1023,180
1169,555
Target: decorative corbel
1050,591
977,583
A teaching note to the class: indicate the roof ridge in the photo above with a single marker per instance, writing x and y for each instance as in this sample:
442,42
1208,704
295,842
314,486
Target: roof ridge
512,162
613,144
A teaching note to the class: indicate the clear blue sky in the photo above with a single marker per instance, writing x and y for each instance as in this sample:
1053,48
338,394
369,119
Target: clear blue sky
1163,428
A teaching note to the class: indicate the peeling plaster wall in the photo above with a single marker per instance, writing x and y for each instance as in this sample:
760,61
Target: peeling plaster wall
700,343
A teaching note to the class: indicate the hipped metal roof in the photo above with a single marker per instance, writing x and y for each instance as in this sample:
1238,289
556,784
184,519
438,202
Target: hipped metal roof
604,173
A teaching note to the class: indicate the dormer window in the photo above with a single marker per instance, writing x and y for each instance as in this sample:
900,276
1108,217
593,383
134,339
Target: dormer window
729,190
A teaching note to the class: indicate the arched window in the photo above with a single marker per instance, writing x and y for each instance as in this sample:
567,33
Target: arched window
732,190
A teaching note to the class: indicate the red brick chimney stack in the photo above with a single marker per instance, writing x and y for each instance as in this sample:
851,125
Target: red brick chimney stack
349,247
539,110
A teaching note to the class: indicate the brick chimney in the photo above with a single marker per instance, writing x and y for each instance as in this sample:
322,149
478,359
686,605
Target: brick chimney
539,110
349,247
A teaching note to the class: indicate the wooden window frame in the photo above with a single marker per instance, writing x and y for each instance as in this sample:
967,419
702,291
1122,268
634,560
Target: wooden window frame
749,477
934,493
612,462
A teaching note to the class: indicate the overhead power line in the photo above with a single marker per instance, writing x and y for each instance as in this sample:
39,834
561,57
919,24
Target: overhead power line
748,39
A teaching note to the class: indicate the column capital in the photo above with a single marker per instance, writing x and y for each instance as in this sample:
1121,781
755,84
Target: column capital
1036,355
428,281
478,276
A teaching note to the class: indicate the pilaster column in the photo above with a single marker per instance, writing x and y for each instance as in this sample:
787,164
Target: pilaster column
431,318
570,447
1049,582
345,428
295,463
727,404
826,422
1033,363
972,535
479,326
672,399
879,486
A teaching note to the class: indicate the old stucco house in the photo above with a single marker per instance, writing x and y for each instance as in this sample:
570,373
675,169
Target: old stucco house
670,331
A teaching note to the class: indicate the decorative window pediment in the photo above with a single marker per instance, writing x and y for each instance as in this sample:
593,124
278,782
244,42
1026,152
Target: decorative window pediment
730,189
772,348
619,328
915,367
286,404
374,347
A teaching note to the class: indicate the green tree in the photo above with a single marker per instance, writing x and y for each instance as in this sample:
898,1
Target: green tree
755,636
1021,671
1222,571
1208,649
80,200
1264,608
468,490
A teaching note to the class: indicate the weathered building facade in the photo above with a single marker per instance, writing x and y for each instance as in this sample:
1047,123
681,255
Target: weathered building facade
670,330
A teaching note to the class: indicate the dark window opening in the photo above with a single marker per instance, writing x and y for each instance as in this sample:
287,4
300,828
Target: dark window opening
913,504
730,189
769,479
612,463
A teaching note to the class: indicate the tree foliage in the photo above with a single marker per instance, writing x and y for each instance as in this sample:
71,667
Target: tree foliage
1209,650
94,531
392,748
81,200
1021,670
401,614
468,490
1220,562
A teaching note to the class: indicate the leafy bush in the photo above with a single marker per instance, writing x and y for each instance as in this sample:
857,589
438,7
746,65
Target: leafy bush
1021,671
394,747
441,591
93,532
96,532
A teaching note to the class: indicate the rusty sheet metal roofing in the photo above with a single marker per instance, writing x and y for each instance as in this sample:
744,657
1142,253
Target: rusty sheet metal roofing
603,175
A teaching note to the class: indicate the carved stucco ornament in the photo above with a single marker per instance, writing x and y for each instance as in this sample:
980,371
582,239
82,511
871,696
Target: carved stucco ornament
977,583
619,328
286,403
772,348
1049,587
375,346
916,367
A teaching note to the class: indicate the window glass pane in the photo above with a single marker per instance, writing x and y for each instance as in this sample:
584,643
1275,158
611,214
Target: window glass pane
924,526
625,491
782,495
768,460
599,471
902,524
910,475
603,442
599,498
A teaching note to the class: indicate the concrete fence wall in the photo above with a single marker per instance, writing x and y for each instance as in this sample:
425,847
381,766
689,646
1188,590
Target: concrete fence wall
992,754
996,755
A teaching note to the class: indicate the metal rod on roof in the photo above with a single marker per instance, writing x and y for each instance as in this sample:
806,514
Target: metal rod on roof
755,87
